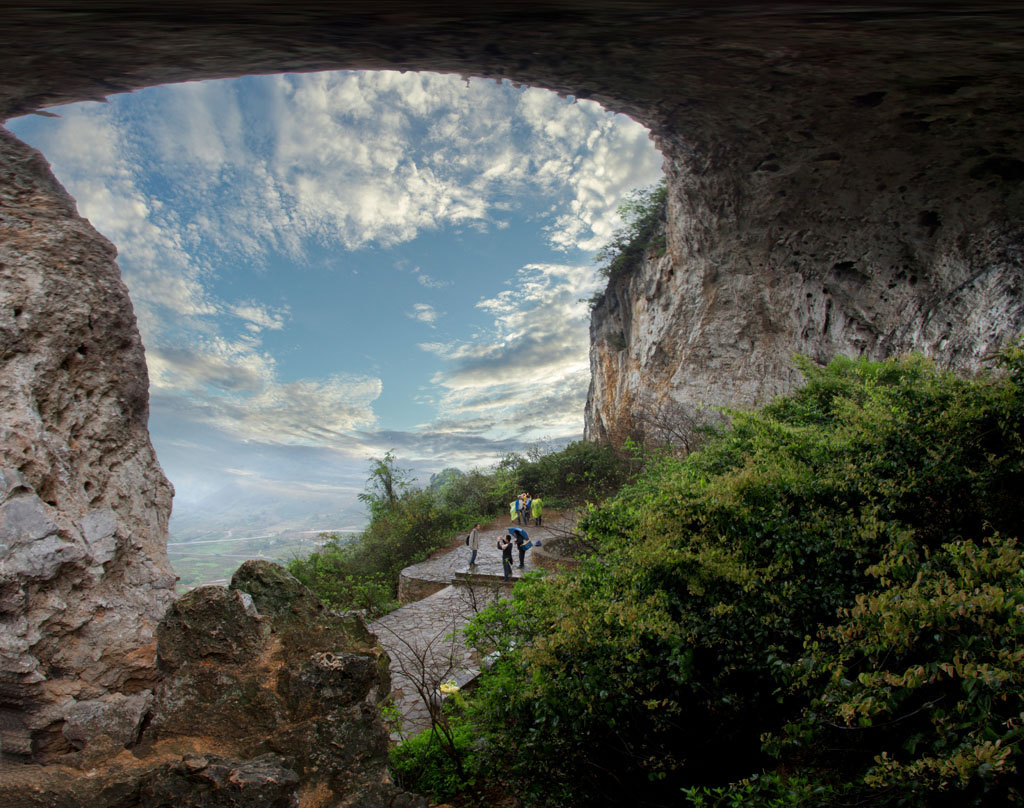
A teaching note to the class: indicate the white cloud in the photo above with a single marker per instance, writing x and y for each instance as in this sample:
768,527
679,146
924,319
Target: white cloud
424,313
258,316
529,377
429,281
250,406
347,161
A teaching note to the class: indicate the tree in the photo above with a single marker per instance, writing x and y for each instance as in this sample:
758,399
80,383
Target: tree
385,484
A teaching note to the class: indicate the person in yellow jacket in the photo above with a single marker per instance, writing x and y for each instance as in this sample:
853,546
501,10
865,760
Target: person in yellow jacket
512,509
536,510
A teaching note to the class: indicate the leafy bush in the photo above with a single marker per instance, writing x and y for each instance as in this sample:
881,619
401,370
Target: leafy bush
333,572
643,216
831,587
583,471
408,523
768,790
421,765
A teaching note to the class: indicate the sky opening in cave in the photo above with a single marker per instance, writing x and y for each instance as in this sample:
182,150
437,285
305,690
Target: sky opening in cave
328,266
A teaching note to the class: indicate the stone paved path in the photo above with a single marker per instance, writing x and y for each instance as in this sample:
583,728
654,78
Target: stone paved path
426,649
488,560
423,639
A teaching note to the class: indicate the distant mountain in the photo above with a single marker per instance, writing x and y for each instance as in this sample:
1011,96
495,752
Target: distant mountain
241,507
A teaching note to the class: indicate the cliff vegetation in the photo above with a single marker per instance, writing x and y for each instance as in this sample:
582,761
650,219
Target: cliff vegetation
643,213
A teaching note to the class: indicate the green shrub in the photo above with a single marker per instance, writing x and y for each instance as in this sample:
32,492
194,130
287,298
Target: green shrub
422,766
643,229
583,471
831,585
767,790
407,523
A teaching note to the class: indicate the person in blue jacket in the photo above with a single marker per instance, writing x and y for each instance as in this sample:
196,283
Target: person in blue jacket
522,541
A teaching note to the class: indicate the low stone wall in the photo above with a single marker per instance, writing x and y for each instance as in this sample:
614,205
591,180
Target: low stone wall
547,555
412,589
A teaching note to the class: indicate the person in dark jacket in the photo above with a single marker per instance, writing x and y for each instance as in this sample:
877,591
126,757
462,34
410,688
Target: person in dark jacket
505,545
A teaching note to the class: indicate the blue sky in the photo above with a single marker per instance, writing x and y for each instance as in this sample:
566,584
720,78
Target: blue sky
327,266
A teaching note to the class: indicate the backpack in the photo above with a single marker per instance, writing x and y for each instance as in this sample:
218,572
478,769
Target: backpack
467,540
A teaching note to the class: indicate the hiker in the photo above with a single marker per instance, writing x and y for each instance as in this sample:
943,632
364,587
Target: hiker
474,543
505,545
522,544
527,508
521,509
537,509
513,509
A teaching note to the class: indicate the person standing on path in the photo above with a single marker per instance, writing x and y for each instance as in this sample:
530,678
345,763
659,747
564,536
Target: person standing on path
474,543
505,545
537,508
522,542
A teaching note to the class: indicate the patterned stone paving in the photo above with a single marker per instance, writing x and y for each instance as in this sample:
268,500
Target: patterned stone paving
422,638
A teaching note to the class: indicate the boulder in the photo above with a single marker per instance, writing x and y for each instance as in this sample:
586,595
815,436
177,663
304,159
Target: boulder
267,699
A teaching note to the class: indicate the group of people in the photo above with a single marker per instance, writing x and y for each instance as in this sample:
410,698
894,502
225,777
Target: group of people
523,507
521,510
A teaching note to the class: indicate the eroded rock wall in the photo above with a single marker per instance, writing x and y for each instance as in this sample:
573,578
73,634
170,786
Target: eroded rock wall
267,700
860,213
84,576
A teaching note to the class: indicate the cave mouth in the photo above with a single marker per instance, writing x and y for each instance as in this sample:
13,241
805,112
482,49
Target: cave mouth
863,161
329,266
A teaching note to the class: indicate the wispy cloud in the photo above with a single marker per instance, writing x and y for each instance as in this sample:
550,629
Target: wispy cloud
258,317
529,377
306,412
424,313
429,281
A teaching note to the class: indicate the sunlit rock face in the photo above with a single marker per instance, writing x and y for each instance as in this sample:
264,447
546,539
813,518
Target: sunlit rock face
841,180
84,575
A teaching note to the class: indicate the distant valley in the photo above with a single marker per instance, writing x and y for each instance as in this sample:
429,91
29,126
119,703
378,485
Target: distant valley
211,537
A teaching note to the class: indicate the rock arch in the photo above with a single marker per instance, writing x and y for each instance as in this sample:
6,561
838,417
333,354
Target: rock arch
841,178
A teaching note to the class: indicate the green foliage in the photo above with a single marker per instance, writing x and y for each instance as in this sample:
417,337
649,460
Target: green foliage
583,471
338,574
830,586
385,484
421,765
643,216
929,669
408,523
770,790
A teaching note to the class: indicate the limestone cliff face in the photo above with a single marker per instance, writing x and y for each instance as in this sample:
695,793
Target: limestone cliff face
84,576
890,224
